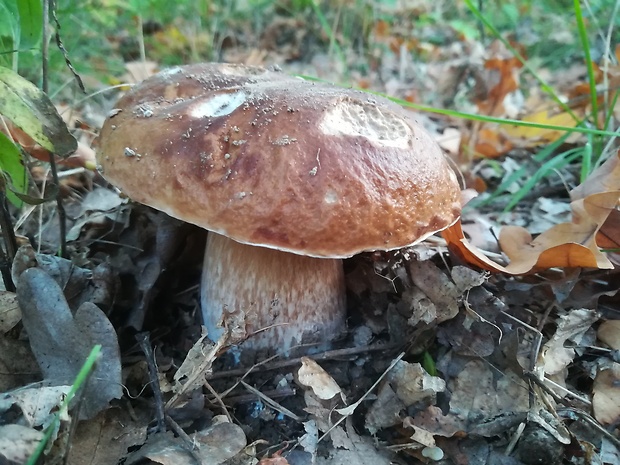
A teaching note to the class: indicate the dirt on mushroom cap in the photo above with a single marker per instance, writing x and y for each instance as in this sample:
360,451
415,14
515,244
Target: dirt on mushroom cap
272,160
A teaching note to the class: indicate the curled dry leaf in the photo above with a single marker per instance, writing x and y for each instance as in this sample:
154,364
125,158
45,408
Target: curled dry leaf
420,435
574,244
316,378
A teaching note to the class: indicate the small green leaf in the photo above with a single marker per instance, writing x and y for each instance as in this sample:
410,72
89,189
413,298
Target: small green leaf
11,164
31,22
32,111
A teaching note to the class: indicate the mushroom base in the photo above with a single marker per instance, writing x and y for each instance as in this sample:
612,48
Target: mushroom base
274,299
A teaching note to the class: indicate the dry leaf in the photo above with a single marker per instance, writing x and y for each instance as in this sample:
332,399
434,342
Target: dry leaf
385,410
275,459
61,341
504,79
18,443
571,244
423,437
442,293
532,137
572,326
106,438
10,314
316,378
609,333
606,400
36,403
491,144
219,442
412,383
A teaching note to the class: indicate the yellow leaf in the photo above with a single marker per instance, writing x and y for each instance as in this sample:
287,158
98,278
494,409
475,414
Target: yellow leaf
537,136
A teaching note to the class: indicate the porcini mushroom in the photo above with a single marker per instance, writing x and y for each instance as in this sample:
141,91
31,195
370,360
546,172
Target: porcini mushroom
289,177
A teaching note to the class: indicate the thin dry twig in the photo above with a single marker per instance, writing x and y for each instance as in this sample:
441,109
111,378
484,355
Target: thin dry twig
201,372
328,355
273,394
219,400
145,344
347,411
272,403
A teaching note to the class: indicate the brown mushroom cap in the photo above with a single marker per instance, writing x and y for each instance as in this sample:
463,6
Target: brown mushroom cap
276,161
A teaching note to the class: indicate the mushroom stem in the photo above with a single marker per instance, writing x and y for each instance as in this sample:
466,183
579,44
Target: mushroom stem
275,299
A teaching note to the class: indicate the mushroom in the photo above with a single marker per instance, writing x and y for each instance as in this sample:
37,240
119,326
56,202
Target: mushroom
289,177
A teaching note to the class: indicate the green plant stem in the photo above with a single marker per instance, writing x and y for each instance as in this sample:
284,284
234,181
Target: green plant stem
583,36
80,379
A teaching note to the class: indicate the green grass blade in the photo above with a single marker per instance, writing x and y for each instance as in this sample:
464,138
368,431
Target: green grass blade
585,45
81,377
554,164
586,161
521,173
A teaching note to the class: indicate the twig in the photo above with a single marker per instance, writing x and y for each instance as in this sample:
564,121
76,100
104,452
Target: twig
199,373
62,48
330,354
245,398
272,403
588,419
174,426
144,340
347,411
219,400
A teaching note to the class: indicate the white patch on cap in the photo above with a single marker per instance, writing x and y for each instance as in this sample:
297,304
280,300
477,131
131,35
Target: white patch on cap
330,197
354,118
170,71
219,105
